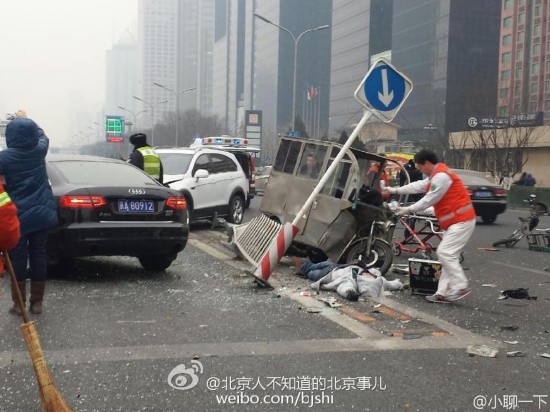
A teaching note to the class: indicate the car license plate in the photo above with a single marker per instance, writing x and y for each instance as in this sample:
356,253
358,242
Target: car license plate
483,194
136,206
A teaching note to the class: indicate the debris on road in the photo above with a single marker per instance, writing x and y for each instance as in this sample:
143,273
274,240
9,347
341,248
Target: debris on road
489,249
515,354
520,293
313,309
512,328
332,302
490,285
545,355
511,342
482,350
402,269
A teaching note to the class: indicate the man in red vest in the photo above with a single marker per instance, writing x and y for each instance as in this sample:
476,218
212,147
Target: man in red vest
455,214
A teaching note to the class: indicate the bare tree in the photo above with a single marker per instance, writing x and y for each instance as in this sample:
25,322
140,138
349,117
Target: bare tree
192,123
502,152
456,151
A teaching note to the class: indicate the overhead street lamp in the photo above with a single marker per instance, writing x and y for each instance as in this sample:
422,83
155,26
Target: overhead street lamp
134,116
152,107
177,95
94,131
296,40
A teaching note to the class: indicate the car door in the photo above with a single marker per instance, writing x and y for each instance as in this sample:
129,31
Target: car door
226,176
204,190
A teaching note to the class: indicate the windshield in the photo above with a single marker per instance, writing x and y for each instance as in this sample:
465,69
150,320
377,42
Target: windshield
102,173
175,163
474,179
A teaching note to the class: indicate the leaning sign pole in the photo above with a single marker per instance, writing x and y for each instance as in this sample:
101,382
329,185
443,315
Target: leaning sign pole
382,92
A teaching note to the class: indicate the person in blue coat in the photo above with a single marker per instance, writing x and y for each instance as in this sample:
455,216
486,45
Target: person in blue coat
23,166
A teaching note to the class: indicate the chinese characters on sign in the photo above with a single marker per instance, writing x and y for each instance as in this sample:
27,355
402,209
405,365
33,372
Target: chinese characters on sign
521,120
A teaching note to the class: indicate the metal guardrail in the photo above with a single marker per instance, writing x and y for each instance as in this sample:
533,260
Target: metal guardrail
254,238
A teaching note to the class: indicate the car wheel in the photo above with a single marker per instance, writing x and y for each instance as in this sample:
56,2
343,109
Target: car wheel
156,263
396,249
489,219
236,210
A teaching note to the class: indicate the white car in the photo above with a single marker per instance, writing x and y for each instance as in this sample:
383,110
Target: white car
212,181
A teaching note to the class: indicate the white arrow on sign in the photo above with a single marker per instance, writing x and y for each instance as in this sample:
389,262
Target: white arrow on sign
385,97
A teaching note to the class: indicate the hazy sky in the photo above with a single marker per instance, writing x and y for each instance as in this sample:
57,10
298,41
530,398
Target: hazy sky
53,49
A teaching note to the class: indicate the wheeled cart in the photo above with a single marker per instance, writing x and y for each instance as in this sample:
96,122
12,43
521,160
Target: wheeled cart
420,232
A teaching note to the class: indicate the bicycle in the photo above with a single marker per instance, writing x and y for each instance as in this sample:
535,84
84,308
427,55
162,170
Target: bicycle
527,224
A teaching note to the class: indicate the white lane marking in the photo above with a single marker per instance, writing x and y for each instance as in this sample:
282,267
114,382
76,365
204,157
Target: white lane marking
226,349
538,272
136,321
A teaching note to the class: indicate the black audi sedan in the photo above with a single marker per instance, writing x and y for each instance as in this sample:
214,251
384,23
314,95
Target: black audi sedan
107,207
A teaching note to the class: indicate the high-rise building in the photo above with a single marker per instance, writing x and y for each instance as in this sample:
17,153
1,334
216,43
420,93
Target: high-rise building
254,64
228,60
120,77
524,68
175,40
196,37
360,30
157,55
449,49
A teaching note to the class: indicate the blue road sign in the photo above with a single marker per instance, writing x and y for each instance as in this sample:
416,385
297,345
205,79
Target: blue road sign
383,90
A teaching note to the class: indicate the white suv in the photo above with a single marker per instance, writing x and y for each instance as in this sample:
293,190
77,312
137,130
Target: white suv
212,181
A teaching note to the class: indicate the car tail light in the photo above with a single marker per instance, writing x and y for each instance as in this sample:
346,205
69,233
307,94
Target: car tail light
82,201
176,203
500,192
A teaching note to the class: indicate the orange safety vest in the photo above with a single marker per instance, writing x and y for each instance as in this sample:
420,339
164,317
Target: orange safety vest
9,224
456,206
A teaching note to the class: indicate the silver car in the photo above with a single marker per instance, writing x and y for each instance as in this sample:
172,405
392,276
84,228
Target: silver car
262,176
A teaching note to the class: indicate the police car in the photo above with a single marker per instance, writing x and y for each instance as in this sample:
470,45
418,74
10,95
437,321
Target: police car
244,153
212,181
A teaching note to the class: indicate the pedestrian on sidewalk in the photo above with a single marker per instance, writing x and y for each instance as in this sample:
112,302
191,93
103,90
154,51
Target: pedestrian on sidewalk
455,214
23,166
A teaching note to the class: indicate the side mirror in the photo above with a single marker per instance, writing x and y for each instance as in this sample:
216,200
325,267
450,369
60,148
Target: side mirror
201,174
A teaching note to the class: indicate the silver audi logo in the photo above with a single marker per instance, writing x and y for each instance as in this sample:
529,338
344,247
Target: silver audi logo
136,191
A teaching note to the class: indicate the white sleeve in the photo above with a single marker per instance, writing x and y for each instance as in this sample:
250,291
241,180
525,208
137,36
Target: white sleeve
440,183
412,188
